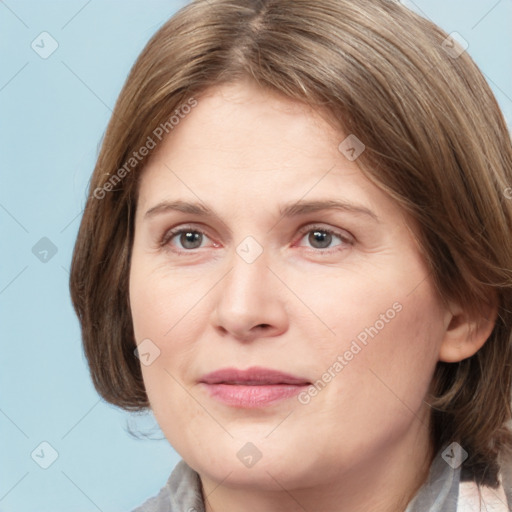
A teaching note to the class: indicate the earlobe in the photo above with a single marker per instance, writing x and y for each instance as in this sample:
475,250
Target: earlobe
466,334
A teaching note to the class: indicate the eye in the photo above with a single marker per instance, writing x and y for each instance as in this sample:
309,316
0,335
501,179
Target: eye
323,238
186,238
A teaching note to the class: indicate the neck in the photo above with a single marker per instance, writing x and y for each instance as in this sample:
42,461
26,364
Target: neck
385,482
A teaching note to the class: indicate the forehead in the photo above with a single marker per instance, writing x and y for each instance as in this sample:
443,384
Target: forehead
250,148
245,126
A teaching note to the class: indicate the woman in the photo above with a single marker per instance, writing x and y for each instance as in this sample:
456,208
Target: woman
296,251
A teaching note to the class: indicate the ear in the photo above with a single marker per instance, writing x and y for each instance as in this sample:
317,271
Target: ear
466,333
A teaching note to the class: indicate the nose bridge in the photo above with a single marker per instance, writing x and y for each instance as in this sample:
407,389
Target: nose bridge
248,296
247,284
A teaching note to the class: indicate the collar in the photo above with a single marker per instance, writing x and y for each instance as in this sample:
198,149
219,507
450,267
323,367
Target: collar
445,492
442,492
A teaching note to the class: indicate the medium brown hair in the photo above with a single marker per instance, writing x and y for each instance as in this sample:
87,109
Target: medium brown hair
435,140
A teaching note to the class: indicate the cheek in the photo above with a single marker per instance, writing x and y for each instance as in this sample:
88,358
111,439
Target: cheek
167,310
161,300
388,357
377,337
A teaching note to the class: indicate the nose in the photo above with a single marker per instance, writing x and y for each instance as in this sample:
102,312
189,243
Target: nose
250,301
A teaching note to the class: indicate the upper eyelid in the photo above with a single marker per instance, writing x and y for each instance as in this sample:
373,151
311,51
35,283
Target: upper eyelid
320,227
306,227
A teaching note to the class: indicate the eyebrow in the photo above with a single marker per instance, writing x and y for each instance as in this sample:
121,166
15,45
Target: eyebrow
289,210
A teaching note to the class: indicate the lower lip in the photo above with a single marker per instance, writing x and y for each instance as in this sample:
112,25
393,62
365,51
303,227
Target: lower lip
238,395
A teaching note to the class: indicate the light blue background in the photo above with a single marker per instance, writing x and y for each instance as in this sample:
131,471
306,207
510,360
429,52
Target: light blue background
53,115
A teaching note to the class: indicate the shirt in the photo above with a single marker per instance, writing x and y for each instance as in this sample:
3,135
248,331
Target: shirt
442,492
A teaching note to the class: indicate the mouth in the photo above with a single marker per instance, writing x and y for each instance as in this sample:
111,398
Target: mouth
252,388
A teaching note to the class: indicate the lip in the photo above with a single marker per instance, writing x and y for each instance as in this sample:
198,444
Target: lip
252,388
254,376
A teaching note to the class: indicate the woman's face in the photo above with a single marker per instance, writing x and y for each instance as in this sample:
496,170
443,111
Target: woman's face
273,275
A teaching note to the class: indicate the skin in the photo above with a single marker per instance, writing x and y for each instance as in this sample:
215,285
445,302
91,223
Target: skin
244,152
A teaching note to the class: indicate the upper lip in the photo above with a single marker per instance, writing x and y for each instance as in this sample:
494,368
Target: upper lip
255,376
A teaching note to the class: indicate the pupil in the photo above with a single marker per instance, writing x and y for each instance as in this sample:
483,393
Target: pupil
189,239
320,239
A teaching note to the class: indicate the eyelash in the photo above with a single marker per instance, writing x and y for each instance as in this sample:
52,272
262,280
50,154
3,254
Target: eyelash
346,240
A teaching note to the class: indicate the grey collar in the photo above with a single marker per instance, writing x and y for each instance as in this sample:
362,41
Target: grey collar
440,493
183,492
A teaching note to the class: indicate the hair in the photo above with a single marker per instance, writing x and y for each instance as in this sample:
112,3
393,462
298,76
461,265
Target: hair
436,142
